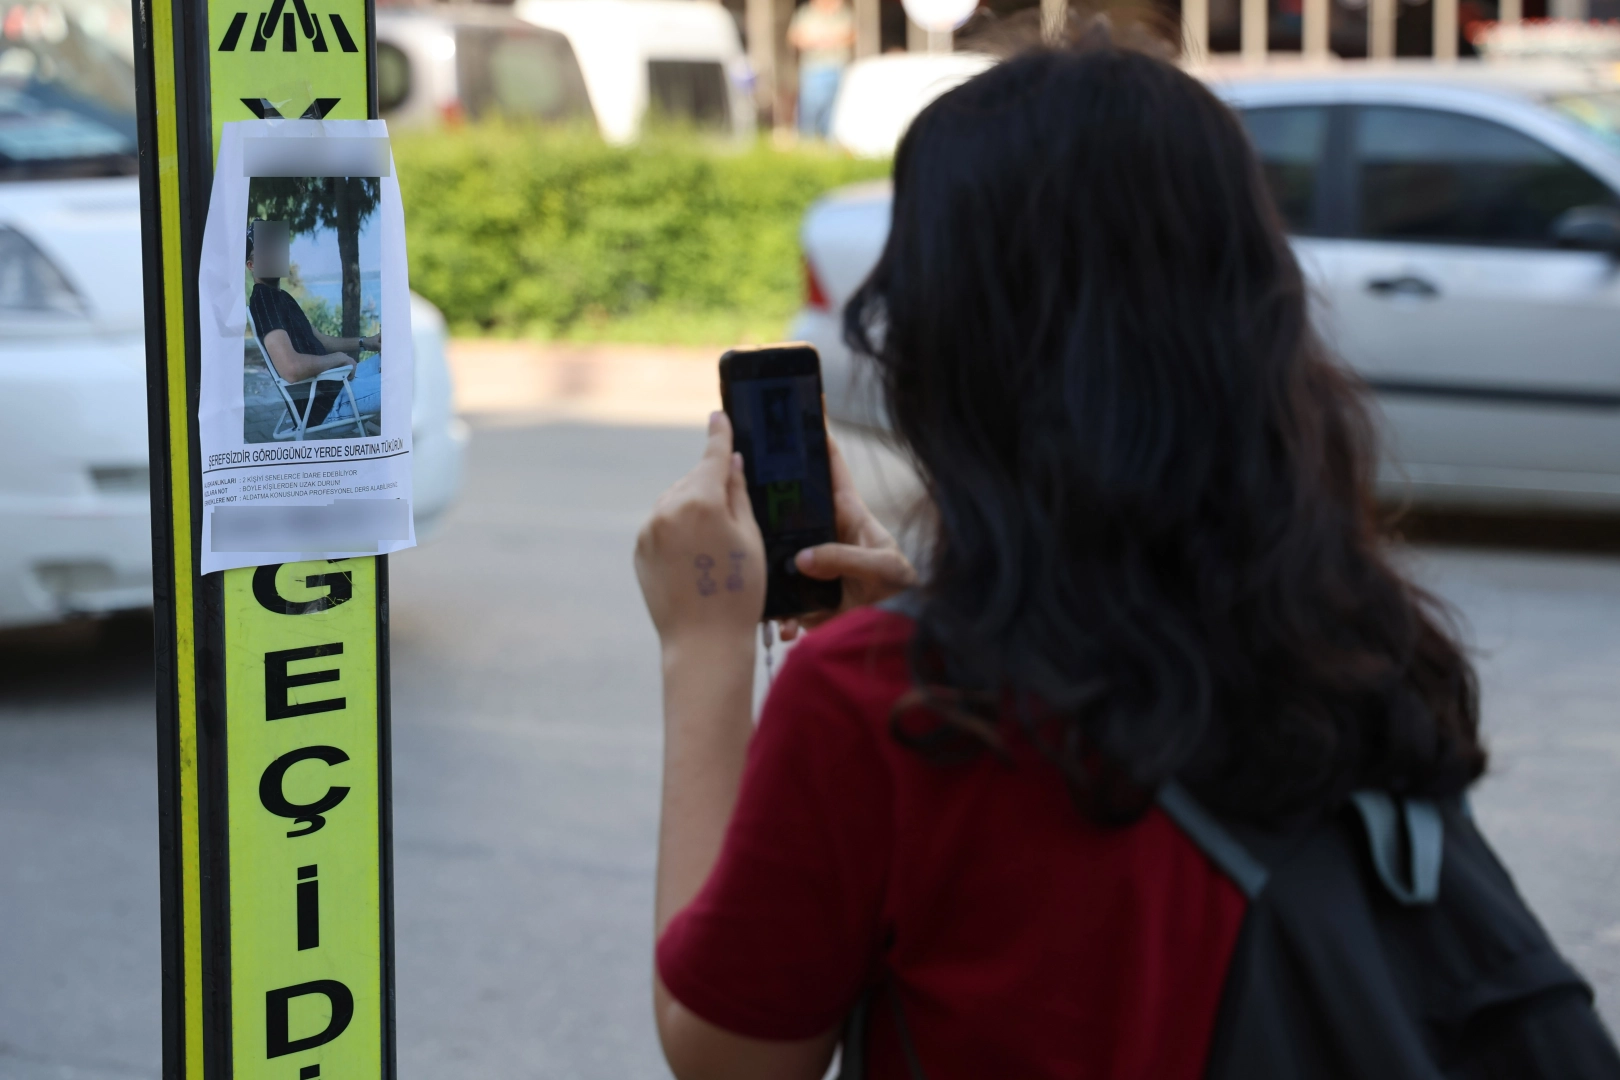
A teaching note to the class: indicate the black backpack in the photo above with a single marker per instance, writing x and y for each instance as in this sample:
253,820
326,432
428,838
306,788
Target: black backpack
1381,942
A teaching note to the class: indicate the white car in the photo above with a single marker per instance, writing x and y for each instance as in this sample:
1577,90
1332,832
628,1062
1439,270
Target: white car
879,96
682,59
1460,229
451,62
75,521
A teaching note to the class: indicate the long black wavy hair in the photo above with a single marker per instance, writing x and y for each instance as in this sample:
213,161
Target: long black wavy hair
1157,549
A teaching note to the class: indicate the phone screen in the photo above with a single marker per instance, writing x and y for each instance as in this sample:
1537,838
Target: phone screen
773,396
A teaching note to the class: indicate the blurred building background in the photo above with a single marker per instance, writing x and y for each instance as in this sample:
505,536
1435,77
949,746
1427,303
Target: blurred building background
1253,31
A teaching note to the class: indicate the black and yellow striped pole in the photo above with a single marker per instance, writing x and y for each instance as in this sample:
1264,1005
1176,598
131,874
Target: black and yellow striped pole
272,681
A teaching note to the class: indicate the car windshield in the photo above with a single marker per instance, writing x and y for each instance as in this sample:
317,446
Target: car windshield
1598,113
689,91
527,75
67,92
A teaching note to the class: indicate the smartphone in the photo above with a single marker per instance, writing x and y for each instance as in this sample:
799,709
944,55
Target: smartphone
773,396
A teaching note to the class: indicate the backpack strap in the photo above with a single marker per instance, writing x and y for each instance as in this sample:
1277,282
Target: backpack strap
907,1046
854,1045
1406,838
1222,848
1418,882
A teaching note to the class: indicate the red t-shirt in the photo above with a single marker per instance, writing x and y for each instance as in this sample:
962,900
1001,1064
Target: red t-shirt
1023,940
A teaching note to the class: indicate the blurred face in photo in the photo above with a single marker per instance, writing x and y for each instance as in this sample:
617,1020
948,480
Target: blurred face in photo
270,259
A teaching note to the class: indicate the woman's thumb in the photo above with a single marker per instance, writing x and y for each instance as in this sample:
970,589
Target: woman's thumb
826,562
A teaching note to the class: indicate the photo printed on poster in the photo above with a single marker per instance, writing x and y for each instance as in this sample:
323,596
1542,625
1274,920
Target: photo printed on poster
307,369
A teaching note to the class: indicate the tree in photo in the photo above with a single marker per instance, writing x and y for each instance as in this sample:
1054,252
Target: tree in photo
308,203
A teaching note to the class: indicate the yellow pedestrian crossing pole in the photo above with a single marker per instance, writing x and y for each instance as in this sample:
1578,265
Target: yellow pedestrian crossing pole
272,681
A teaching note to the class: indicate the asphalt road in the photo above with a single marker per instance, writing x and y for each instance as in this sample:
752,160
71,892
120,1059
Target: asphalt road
526,764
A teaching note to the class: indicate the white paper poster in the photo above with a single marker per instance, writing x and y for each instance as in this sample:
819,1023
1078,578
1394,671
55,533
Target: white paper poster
304,306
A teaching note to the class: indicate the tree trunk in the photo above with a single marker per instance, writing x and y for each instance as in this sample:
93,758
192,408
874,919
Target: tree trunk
348,230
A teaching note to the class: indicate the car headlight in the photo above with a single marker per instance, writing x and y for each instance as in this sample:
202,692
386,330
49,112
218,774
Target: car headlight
29,281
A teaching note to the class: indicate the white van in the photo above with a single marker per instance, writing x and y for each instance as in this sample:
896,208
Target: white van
451,62
682,59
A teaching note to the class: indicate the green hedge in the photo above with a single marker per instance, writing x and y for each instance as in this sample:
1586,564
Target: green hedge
515,231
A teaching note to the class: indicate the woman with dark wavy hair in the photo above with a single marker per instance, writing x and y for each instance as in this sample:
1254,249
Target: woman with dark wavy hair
1156,557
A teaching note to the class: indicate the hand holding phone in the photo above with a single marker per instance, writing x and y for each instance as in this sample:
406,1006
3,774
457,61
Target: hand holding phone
866,558
700,559
773,397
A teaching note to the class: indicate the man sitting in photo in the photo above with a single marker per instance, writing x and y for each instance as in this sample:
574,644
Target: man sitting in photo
295,348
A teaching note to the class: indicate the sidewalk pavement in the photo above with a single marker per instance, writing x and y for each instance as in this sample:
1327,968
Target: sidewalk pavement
523,382
520,383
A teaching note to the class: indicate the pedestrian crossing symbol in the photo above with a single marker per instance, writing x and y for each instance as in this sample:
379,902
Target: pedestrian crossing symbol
287,58
294,21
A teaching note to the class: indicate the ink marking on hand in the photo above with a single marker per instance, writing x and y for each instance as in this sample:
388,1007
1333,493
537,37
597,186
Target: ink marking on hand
734,580
706,585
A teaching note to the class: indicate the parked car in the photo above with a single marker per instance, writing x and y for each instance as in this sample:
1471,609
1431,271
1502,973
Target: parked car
452,62
681,60
879,96
1460,230
75,524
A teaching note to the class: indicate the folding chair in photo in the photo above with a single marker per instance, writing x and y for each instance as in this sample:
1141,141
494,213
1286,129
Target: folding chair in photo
294,424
